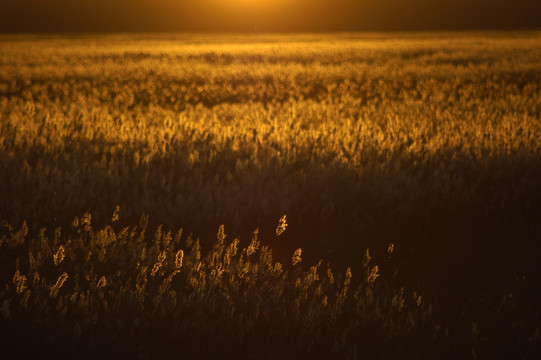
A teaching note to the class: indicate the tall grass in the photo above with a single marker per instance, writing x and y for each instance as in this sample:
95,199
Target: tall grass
96,291
428,142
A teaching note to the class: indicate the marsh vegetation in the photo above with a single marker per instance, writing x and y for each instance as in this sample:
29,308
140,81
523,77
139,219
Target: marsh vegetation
423,148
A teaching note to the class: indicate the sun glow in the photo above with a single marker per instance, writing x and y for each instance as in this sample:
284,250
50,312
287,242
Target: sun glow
256,2
249,14
253,5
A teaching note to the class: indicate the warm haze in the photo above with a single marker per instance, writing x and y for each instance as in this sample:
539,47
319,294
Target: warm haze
265,15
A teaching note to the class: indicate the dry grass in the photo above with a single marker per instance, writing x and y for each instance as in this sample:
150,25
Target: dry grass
428,142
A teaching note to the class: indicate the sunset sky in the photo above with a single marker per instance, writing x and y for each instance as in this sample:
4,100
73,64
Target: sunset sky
265,15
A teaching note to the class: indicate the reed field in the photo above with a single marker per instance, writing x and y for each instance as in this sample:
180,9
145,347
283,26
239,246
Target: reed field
258,196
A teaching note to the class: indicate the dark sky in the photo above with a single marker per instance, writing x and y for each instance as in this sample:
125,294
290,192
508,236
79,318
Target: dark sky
267,15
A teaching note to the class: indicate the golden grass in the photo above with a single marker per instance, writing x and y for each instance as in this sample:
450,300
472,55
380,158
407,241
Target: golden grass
424,148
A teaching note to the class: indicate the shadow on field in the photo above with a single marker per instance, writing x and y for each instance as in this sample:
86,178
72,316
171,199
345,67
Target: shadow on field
472,226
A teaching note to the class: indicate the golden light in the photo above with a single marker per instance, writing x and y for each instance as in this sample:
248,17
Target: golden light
267,7
255,3
244,14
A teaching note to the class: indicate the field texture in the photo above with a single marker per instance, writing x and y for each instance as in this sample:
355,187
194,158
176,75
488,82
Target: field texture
423,148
